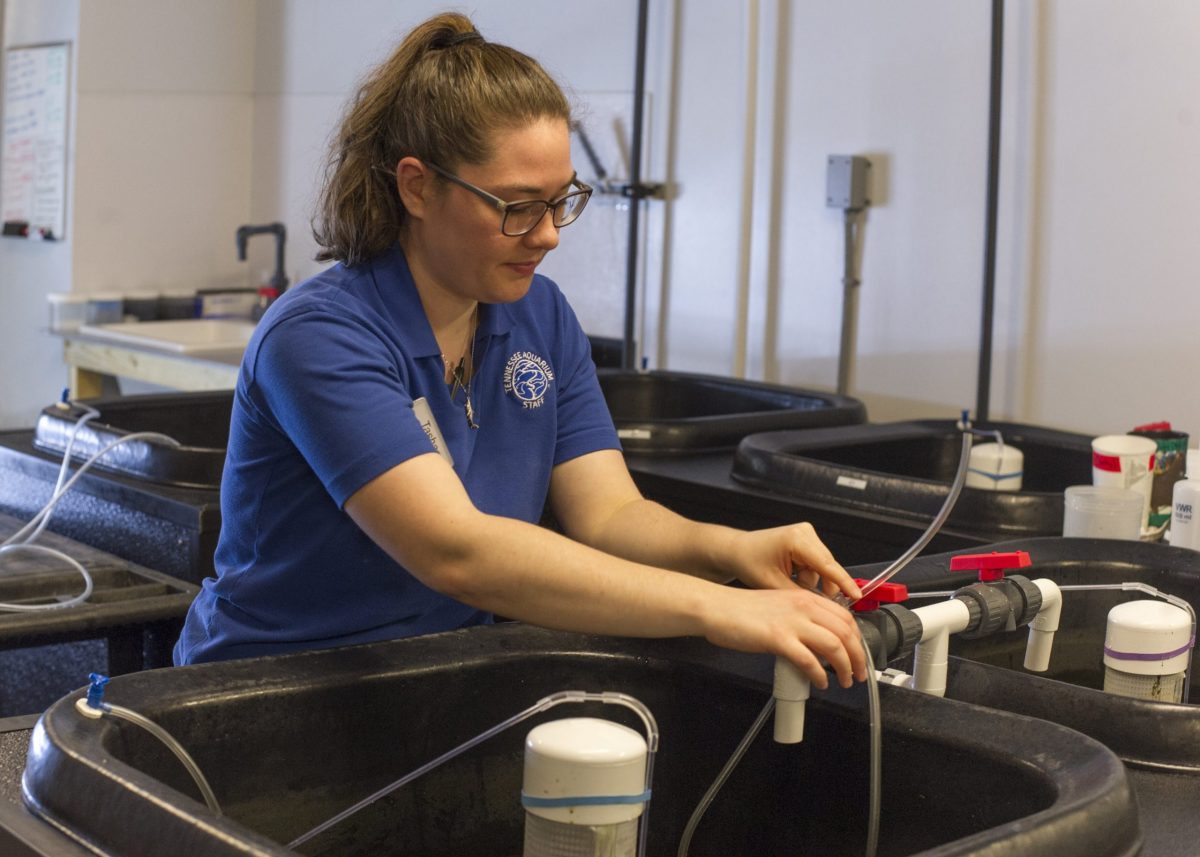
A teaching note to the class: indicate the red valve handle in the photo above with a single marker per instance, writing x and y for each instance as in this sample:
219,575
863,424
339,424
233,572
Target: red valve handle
991,566
884,593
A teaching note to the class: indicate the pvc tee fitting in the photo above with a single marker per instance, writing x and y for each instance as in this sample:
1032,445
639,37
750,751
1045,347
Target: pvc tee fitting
938,622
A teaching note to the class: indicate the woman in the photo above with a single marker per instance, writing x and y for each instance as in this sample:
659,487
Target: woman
401,419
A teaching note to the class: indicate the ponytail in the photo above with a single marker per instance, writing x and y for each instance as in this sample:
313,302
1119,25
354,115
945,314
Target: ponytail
439,97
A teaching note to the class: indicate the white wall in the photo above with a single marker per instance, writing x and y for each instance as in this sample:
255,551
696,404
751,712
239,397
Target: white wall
159,169
1095,316
162,175
310,56
31,371
1110,327
196,117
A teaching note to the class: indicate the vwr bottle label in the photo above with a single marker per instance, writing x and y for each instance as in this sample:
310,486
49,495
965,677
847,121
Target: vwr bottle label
1183,513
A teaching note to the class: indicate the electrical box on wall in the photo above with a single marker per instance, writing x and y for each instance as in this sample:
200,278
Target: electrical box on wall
846,182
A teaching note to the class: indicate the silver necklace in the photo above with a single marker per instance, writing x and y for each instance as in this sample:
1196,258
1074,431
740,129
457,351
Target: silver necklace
459,377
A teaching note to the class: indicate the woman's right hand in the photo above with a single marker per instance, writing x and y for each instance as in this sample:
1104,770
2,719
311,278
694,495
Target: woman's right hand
798,624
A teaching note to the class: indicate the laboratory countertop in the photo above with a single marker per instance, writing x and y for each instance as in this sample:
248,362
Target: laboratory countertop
94,362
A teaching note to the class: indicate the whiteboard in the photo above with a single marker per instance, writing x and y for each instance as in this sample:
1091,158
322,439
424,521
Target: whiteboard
33,186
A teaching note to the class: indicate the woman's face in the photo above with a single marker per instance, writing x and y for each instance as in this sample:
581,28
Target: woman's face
456,240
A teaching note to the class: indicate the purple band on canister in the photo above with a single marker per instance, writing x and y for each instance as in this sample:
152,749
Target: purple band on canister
1142,656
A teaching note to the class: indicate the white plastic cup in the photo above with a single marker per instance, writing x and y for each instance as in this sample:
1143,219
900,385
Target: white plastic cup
1102,512
1185,514
993,467
1125,461
67,311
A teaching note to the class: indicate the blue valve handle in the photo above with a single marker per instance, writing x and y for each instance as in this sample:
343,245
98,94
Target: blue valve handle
95,692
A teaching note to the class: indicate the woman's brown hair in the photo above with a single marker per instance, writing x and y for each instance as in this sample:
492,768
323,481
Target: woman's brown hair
440,97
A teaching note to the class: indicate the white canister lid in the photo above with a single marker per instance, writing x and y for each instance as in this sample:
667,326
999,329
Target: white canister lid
584,770
1148,638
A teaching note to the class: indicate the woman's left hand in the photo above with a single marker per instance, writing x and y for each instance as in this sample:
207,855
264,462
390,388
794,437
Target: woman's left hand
788,556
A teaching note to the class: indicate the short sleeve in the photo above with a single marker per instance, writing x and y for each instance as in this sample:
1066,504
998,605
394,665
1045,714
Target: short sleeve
584,421
334,388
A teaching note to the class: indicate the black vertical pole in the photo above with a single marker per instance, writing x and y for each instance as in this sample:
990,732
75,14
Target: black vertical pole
984,386
629,358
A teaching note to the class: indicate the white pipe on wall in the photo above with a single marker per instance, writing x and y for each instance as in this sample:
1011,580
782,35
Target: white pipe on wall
745,230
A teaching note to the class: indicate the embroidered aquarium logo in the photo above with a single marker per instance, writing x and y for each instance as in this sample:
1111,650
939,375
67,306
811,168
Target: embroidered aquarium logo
528,377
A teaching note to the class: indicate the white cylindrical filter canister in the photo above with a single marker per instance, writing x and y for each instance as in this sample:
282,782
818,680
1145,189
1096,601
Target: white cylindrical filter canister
1185,514
584,788
993,467
1147,647
1102,512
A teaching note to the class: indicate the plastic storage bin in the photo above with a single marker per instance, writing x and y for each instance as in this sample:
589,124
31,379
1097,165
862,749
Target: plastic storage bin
105,308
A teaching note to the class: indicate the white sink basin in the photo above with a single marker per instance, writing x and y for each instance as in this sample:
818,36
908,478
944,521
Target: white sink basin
214,338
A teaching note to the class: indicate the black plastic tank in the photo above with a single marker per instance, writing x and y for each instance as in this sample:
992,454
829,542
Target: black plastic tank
904,470
1158,741
129,623
682,413
153,504
198,421
289,741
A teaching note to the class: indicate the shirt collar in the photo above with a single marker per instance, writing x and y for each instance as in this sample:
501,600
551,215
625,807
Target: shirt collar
394,281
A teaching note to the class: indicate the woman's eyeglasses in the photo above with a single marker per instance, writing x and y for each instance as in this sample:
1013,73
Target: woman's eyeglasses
522,217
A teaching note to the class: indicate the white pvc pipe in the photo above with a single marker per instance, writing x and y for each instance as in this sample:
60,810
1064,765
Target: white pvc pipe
1043,626
791,693
746,230
938,622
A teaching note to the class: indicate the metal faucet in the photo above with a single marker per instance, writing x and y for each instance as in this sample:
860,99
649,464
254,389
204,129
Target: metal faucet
278,279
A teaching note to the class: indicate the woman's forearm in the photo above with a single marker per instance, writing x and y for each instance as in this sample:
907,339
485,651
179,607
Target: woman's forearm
646,532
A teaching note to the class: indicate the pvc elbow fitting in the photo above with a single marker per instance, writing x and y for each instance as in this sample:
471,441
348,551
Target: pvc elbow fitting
1043,626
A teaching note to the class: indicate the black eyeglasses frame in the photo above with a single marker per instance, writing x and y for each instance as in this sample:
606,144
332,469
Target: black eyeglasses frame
505,208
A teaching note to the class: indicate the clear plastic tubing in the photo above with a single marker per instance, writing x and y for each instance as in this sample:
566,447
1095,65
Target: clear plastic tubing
875,714
42,516
90,414
685,841
875,725
87,465
171,744
538,707
960,479
22,540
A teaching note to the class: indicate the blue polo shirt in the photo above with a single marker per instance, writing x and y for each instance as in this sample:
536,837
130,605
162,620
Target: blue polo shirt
324,404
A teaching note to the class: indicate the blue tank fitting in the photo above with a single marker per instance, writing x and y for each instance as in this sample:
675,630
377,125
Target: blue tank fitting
95,693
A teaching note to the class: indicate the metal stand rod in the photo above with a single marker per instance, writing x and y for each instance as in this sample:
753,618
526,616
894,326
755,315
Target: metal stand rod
629,358
984,385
